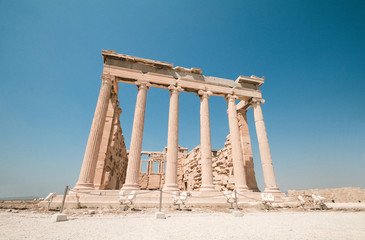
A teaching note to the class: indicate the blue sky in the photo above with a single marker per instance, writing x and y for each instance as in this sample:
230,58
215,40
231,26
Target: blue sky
312,54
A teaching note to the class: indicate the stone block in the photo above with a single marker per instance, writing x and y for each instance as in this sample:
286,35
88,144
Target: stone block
160,215
59,217
237,214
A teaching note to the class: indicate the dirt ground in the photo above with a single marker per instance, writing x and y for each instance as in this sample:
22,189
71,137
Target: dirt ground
25,220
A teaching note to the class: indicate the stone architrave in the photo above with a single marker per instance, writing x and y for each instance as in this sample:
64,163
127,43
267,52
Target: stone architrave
238,166
205,142
86,178
134,159
247,150
172,140
267,166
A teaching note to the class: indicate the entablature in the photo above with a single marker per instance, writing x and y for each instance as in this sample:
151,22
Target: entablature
129,69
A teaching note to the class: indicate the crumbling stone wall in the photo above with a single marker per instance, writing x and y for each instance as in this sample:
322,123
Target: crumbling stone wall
189,176
223,178
116,161
338,195
112,161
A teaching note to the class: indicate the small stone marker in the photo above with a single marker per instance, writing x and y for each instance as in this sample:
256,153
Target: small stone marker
237,214
160,215
59,217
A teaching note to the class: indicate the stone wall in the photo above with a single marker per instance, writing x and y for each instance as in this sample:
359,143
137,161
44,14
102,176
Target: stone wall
189,176
338,195
112,161
223,178
116,161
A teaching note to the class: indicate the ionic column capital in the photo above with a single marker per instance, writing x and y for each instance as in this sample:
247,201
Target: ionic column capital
107,79
231,97
175,89
204,94
255,101
143,85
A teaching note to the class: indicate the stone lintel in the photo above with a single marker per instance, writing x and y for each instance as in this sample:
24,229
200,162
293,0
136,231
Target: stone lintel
151,152
246,104
253,80
243,105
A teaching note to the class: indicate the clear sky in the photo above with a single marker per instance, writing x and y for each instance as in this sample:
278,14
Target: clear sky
312,54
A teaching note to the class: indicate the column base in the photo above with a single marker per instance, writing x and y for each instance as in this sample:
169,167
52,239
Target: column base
254,189
207,188
170,188
130,186
272,190
84,186
242,189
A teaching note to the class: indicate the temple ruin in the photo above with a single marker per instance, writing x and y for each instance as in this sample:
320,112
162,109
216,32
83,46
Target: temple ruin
108,165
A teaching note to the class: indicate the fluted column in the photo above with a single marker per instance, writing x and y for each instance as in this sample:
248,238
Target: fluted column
238,167
172,140
87,172
267,167
205,142
134,158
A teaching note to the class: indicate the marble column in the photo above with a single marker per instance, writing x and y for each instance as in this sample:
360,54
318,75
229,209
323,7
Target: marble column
134,157
238,167
205,142
247,150
87,172
172,140
267,167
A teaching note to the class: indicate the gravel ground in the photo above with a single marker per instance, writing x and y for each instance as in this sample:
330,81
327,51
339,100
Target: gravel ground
186,225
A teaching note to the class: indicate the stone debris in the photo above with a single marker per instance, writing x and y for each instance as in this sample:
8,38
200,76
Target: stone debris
334,195
91,212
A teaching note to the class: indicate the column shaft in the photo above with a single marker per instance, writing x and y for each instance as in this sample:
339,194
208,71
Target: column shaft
205,144
172,141
264,148
134,158
238,167
86,178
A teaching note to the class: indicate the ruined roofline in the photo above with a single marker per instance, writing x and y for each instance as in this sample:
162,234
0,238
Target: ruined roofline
169,66
124,57
149,62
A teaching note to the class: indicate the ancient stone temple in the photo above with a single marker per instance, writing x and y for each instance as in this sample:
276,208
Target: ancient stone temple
108,165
